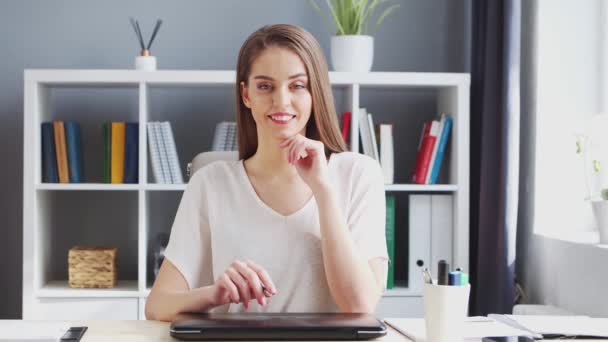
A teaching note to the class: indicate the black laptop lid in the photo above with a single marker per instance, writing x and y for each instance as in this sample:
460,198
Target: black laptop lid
277,326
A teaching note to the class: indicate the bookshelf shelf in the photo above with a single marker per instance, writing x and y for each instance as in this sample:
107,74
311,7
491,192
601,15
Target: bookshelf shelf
88,186
165,187
57,216
61,289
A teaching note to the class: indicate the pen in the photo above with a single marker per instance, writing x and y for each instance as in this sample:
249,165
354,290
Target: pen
455,278
426,276
442,272
266,292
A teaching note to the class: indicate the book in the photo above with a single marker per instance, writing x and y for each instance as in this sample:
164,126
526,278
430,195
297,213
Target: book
154,153
444,137
107,151
73,138
224,137
423,157
49,155
366,142
61,152
419,239
131,172
387,153
390,239
117,168
162,151
346,117
427,179
372,137
172,156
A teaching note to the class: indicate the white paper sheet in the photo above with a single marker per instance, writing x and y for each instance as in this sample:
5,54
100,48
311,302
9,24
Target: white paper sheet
475,328
31,331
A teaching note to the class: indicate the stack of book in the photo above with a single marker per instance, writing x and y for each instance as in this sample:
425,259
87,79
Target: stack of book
431,148
62,159
121,152
377,141
224,138
163,153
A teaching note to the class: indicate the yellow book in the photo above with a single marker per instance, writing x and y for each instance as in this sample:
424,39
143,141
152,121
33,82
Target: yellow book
61,152
118,153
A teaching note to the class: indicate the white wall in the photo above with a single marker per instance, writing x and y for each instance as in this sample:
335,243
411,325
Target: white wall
569,90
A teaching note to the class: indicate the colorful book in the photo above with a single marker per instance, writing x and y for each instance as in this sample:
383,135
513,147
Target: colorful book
49,155
107,151
132,153
427,179
390,239
346,117
73,138
444,137
118,153
423,157
61,152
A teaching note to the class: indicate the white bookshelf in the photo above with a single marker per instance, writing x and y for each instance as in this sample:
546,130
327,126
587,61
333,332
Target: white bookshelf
45,297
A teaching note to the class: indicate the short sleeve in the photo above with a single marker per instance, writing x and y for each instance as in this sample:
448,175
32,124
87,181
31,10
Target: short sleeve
189,247
366,217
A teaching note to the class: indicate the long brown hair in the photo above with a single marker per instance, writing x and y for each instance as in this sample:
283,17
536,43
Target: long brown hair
323,122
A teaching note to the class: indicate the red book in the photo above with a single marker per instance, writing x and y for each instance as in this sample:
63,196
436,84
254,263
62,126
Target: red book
425,152
345,125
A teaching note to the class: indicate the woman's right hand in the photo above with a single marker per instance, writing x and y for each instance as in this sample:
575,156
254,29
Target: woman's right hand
242,282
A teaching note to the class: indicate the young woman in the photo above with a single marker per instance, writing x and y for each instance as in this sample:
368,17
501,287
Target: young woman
296,224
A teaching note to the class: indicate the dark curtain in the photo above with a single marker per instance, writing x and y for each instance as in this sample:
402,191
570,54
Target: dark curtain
495,117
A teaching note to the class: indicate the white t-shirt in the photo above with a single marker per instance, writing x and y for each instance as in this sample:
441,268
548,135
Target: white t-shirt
221,218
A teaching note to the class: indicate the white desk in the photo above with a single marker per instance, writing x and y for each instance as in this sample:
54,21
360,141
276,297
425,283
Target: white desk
153,331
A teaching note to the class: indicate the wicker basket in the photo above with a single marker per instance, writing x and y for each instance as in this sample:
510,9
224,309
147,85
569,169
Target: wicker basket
92,267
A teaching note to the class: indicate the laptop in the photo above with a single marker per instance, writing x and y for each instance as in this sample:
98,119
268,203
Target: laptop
277,326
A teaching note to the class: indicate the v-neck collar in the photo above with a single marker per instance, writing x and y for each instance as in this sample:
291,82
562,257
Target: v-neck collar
261,203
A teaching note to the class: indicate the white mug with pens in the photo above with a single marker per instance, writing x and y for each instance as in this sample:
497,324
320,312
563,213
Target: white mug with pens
445,303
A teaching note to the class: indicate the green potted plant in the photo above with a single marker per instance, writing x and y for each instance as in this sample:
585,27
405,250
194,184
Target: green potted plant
352,47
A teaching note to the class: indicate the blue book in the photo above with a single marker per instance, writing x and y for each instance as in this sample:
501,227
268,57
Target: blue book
73,140
49,158
132,152
445,135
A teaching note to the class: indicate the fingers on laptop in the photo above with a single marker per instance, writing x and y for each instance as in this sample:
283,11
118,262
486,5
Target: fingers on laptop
253,279
267,283
241,284
229,286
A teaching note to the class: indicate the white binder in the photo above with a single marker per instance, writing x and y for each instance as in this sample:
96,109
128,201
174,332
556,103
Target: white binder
441,232
419,240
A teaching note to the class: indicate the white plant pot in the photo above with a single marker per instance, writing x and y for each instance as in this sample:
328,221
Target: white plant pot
147,63
600,211
352,53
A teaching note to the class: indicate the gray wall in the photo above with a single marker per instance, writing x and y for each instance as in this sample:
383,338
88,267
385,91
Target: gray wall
423,35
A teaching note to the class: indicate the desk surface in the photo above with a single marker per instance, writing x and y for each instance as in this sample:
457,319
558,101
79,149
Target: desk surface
153,331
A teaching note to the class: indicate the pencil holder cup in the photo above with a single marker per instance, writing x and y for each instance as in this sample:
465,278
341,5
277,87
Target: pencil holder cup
445,309
147,63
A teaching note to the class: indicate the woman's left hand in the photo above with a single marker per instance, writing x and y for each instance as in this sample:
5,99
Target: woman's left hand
308,156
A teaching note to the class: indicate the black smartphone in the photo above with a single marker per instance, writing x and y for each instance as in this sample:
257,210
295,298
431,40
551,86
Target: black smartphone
508,339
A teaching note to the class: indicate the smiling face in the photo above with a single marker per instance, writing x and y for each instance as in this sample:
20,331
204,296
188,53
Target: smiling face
277,94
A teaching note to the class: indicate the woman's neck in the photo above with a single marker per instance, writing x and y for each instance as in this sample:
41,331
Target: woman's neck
271,160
